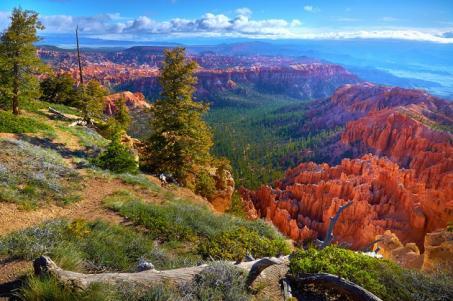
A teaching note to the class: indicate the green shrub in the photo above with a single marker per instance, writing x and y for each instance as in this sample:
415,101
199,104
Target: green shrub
10,123
221,236
237,207
220,281
236,243
383,278
204,184
117,158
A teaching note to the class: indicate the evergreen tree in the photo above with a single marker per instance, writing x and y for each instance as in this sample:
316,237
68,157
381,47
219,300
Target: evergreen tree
180,141
119,121
59,89
19,63
92,100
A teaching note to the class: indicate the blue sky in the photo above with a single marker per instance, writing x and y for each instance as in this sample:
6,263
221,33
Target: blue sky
428,20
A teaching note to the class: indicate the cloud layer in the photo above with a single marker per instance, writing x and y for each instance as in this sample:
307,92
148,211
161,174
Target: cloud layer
115,26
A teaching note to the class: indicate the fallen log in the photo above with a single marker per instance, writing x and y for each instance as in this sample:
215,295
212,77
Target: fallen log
45,266
343,286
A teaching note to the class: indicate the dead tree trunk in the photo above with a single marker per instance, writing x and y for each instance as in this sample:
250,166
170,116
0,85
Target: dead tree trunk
333,220
345,287
78,57
44,265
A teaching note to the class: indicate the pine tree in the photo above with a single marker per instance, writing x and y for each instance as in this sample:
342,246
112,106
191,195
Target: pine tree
180,140
19,63
92,100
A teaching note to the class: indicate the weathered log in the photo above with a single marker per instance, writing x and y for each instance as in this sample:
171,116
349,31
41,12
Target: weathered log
333,220
45,266
345,287
59,114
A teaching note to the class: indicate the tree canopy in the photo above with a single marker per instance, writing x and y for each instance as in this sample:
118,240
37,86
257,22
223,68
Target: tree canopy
19,62
180,140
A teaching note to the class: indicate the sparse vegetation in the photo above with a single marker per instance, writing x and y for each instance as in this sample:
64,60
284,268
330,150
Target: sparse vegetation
383,278
220,281
31,175
89,246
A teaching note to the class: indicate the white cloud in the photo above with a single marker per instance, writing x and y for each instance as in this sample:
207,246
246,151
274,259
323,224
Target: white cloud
308,8
243,11
115,26
407,34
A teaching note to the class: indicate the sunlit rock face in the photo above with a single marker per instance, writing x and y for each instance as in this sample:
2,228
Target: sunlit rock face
438,253
132,100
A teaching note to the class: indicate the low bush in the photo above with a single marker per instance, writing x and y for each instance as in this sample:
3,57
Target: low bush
221,236
383,278
204,184
234,244
220,281
117,158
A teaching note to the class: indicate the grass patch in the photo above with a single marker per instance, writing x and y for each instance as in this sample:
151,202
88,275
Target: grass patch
32,176
47,288
217,236
88,137
36,106
383,278
10,123
89,247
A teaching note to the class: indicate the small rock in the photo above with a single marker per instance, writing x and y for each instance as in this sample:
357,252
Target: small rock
144,265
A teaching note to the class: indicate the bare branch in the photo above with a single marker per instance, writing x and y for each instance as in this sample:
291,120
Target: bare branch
333,220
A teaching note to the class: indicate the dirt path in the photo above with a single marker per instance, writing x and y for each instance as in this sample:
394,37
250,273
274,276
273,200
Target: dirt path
90,207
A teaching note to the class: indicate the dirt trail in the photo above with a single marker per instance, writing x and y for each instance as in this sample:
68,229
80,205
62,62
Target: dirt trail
90,207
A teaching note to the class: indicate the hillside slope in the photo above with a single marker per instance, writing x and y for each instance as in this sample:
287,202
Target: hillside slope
53,201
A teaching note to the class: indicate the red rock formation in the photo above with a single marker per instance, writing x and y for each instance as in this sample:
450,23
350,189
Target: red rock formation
410,192
384,197
133,101
411,144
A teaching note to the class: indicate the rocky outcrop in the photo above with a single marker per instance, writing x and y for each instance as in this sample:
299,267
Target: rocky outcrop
133,101
221,198
438,250
391,248
438,253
